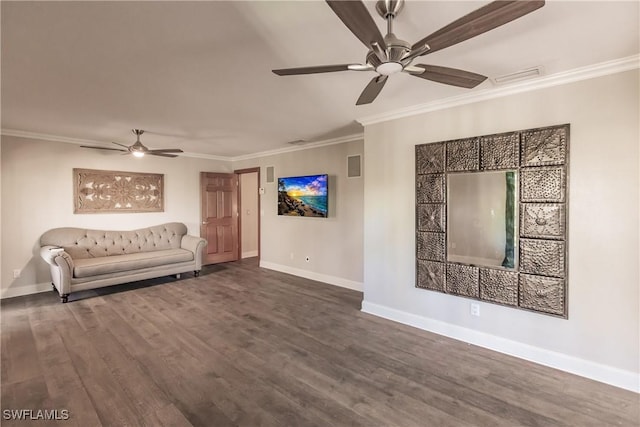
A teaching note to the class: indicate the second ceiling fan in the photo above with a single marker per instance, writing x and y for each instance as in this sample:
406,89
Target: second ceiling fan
138,149
390,55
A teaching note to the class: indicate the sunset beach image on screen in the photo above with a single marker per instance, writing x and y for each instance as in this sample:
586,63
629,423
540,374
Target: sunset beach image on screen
303,196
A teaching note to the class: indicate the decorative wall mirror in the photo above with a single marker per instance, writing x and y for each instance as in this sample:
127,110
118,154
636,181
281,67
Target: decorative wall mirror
482,218
491,218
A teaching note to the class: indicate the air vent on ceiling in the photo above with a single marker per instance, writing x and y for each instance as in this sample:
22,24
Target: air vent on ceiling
529,73
298,142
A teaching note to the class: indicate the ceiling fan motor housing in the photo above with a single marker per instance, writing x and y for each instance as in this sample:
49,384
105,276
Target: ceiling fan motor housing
389,8
396,48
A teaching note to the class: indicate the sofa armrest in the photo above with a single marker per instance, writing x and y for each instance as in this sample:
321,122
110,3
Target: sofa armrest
48,253
195,245
61,266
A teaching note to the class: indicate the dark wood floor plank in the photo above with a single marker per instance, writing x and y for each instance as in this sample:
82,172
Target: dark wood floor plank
235,344
298,347
189,406
63,383
476,416
107,394
139,390
288,413
245,346
202,371
19,355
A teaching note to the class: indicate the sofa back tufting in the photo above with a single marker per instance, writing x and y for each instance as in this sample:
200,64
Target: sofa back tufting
81,243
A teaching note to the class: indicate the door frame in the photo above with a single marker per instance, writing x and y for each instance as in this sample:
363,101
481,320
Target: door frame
240,172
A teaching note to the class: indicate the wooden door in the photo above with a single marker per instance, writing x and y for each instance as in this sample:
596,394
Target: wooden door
219,195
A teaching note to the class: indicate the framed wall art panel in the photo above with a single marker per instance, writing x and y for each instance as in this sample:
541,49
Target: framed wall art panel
103,191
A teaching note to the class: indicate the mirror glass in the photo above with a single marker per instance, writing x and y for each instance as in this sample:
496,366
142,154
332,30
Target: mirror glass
482,218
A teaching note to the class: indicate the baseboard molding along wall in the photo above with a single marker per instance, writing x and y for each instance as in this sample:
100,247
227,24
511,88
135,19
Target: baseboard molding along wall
249,254
25,290
595,371
332,280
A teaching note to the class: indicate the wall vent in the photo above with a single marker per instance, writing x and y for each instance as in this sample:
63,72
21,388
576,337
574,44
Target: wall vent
270,174
353,166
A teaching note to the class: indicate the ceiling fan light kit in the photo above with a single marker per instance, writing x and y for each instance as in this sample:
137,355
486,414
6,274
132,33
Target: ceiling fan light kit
390,55
138,149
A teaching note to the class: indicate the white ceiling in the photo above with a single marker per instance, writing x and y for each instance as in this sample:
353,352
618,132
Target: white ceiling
197,75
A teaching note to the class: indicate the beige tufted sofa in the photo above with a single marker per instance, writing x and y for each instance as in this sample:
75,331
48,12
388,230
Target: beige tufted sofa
82,259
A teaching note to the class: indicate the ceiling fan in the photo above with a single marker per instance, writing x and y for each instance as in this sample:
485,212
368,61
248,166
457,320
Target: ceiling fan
390,55
138,149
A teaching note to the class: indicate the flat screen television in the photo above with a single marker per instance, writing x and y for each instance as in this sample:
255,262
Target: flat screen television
303,196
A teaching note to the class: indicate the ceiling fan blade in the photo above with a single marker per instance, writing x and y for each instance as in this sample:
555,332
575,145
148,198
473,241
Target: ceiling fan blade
161,154
372,90
356,17
167,150
313,70
449,76
122,145
102,148
486,18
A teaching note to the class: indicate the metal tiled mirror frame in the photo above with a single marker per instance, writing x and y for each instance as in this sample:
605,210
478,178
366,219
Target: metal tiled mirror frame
541,157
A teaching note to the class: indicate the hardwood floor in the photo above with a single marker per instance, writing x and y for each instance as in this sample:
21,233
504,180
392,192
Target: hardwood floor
244,346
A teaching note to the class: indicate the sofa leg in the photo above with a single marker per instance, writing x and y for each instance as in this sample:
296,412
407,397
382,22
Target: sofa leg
196,273
64,298
178,276
53,287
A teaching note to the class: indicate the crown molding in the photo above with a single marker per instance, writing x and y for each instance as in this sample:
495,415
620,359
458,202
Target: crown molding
77,141
565,77
307,146
49,137
205,156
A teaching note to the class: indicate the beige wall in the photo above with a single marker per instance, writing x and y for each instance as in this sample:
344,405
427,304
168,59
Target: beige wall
333,244
601,337
249,214
37,194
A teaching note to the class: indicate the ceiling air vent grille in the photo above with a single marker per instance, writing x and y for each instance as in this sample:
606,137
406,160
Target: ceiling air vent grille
298,142
529,73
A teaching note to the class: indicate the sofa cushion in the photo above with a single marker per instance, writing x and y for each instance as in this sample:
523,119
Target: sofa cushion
86,267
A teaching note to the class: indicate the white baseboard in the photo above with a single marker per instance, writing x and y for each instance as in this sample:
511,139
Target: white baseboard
603,373
332,280
25,290
249,254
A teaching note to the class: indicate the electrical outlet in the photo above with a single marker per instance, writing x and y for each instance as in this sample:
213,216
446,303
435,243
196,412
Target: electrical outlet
307,259
16,273
475,309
